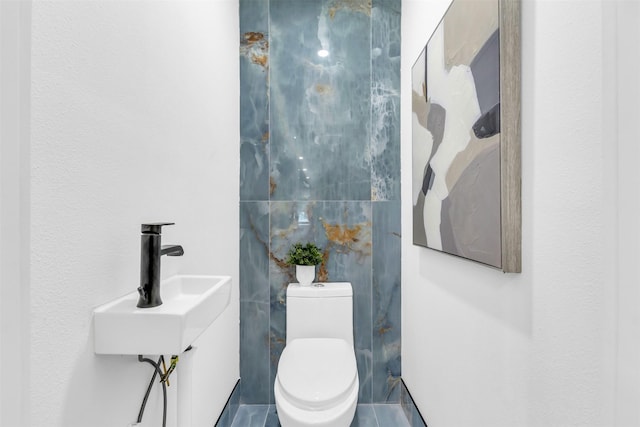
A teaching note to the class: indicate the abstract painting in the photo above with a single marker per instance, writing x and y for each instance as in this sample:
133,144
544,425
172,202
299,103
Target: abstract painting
466,135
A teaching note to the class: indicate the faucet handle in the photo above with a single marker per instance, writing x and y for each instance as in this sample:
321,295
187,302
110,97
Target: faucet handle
154,227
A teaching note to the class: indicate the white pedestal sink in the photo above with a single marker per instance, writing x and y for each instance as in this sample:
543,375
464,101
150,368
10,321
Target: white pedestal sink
190,305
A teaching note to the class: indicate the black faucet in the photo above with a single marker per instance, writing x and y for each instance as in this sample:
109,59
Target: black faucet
150,252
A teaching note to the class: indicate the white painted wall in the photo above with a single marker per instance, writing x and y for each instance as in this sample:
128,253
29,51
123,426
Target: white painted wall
481,348
134,118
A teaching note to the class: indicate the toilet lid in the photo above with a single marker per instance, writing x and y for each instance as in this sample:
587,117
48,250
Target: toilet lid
315,373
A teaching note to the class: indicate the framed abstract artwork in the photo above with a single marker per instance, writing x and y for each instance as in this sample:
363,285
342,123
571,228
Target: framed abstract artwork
466,135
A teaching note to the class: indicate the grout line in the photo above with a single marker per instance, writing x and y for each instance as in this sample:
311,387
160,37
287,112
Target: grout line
371,197
375,415
269,163
269,205
270,388
266,414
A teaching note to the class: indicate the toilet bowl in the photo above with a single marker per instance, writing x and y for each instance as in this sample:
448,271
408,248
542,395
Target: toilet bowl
317,383
317,379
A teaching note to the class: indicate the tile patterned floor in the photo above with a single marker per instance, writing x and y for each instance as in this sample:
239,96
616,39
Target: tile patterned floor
366,416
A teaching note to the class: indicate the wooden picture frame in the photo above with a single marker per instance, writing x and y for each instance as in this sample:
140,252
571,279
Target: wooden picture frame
466,135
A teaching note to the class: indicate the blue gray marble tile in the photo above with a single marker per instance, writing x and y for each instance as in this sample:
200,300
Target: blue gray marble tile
390,416
251,416
254,16
234,402
230,408
406,403
364,417
254,250
386,302
224,420
385,100
272,417
416,418
320,104
255,382
254,100
277,341
317,131
254,302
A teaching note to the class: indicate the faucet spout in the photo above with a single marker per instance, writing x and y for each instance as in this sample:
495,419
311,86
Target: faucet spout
172,250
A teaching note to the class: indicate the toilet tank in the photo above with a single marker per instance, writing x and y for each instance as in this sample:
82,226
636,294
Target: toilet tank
320,311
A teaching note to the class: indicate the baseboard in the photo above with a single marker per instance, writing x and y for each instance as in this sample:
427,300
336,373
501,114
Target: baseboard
410,409
230,408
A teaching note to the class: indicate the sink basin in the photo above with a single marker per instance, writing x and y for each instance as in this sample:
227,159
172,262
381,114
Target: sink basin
190,305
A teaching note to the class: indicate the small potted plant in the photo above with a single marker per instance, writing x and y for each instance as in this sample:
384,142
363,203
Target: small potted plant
305,258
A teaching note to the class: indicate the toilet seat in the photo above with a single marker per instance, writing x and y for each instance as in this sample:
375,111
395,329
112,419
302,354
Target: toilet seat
317,373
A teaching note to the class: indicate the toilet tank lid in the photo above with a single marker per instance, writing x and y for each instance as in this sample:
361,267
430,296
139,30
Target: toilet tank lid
320,290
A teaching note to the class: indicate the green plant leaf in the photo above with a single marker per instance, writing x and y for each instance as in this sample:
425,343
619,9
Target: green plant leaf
304,254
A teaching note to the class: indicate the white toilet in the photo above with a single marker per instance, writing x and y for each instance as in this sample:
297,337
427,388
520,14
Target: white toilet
317,380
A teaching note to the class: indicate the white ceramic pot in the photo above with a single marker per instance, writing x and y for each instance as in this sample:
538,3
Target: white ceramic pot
305,274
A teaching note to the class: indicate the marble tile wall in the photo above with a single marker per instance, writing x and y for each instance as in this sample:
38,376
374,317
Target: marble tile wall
320,161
